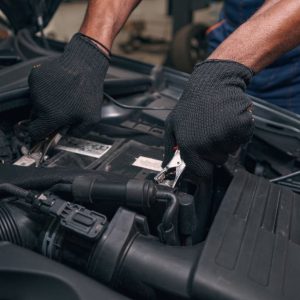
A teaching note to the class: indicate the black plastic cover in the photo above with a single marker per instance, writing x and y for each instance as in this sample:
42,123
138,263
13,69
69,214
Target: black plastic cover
253,248
25,275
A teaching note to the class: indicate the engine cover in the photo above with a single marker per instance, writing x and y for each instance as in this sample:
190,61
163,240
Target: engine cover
253,248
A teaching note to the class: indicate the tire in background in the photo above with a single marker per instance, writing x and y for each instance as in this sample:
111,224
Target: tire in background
189,47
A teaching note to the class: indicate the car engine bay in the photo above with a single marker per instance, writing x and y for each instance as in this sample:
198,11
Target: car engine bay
83,217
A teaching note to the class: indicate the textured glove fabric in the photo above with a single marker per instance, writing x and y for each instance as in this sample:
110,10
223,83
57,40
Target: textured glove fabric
213,118
68,90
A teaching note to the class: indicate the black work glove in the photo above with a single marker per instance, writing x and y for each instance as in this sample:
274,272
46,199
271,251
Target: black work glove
68,90
213,118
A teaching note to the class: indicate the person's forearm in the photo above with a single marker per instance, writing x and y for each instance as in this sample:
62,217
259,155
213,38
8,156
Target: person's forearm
105,18
267,4
272,31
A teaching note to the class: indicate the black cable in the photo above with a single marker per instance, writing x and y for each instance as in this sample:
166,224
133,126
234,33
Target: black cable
39,8
170,215
18,49
116,102
168,228
14,190
278,179
44,39
24,39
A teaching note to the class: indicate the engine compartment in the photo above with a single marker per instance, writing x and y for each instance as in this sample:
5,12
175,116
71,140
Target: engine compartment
92,204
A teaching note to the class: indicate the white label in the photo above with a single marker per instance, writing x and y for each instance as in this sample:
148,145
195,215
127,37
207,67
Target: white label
83,147
25,161
148,163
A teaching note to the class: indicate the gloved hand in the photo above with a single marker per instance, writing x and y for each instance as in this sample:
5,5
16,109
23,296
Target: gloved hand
213,118
68,90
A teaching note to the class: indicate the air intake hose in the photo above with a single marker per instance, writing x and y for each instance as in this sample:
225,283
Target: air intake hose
134,193
19,226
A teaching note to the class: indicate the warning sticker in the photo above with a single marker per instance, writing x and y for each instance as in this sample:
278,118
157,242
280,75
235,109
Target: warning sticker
148,163
25,161
83,147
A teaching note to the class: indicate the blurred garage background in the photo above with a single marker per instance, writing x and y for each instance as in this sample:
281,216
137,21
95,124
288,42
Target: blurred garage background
170,32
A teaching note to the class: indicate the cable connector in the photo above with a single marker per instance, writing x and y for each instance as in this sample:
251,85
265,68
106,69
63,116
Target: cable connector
73,217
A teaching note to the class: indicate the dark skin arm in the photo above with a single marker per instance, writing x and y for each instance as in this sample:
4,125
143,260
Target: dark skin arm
105,18
272,31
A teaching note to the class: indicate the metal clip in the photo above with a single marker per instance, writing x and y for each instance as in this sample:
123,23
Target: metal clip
39,151
171,173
